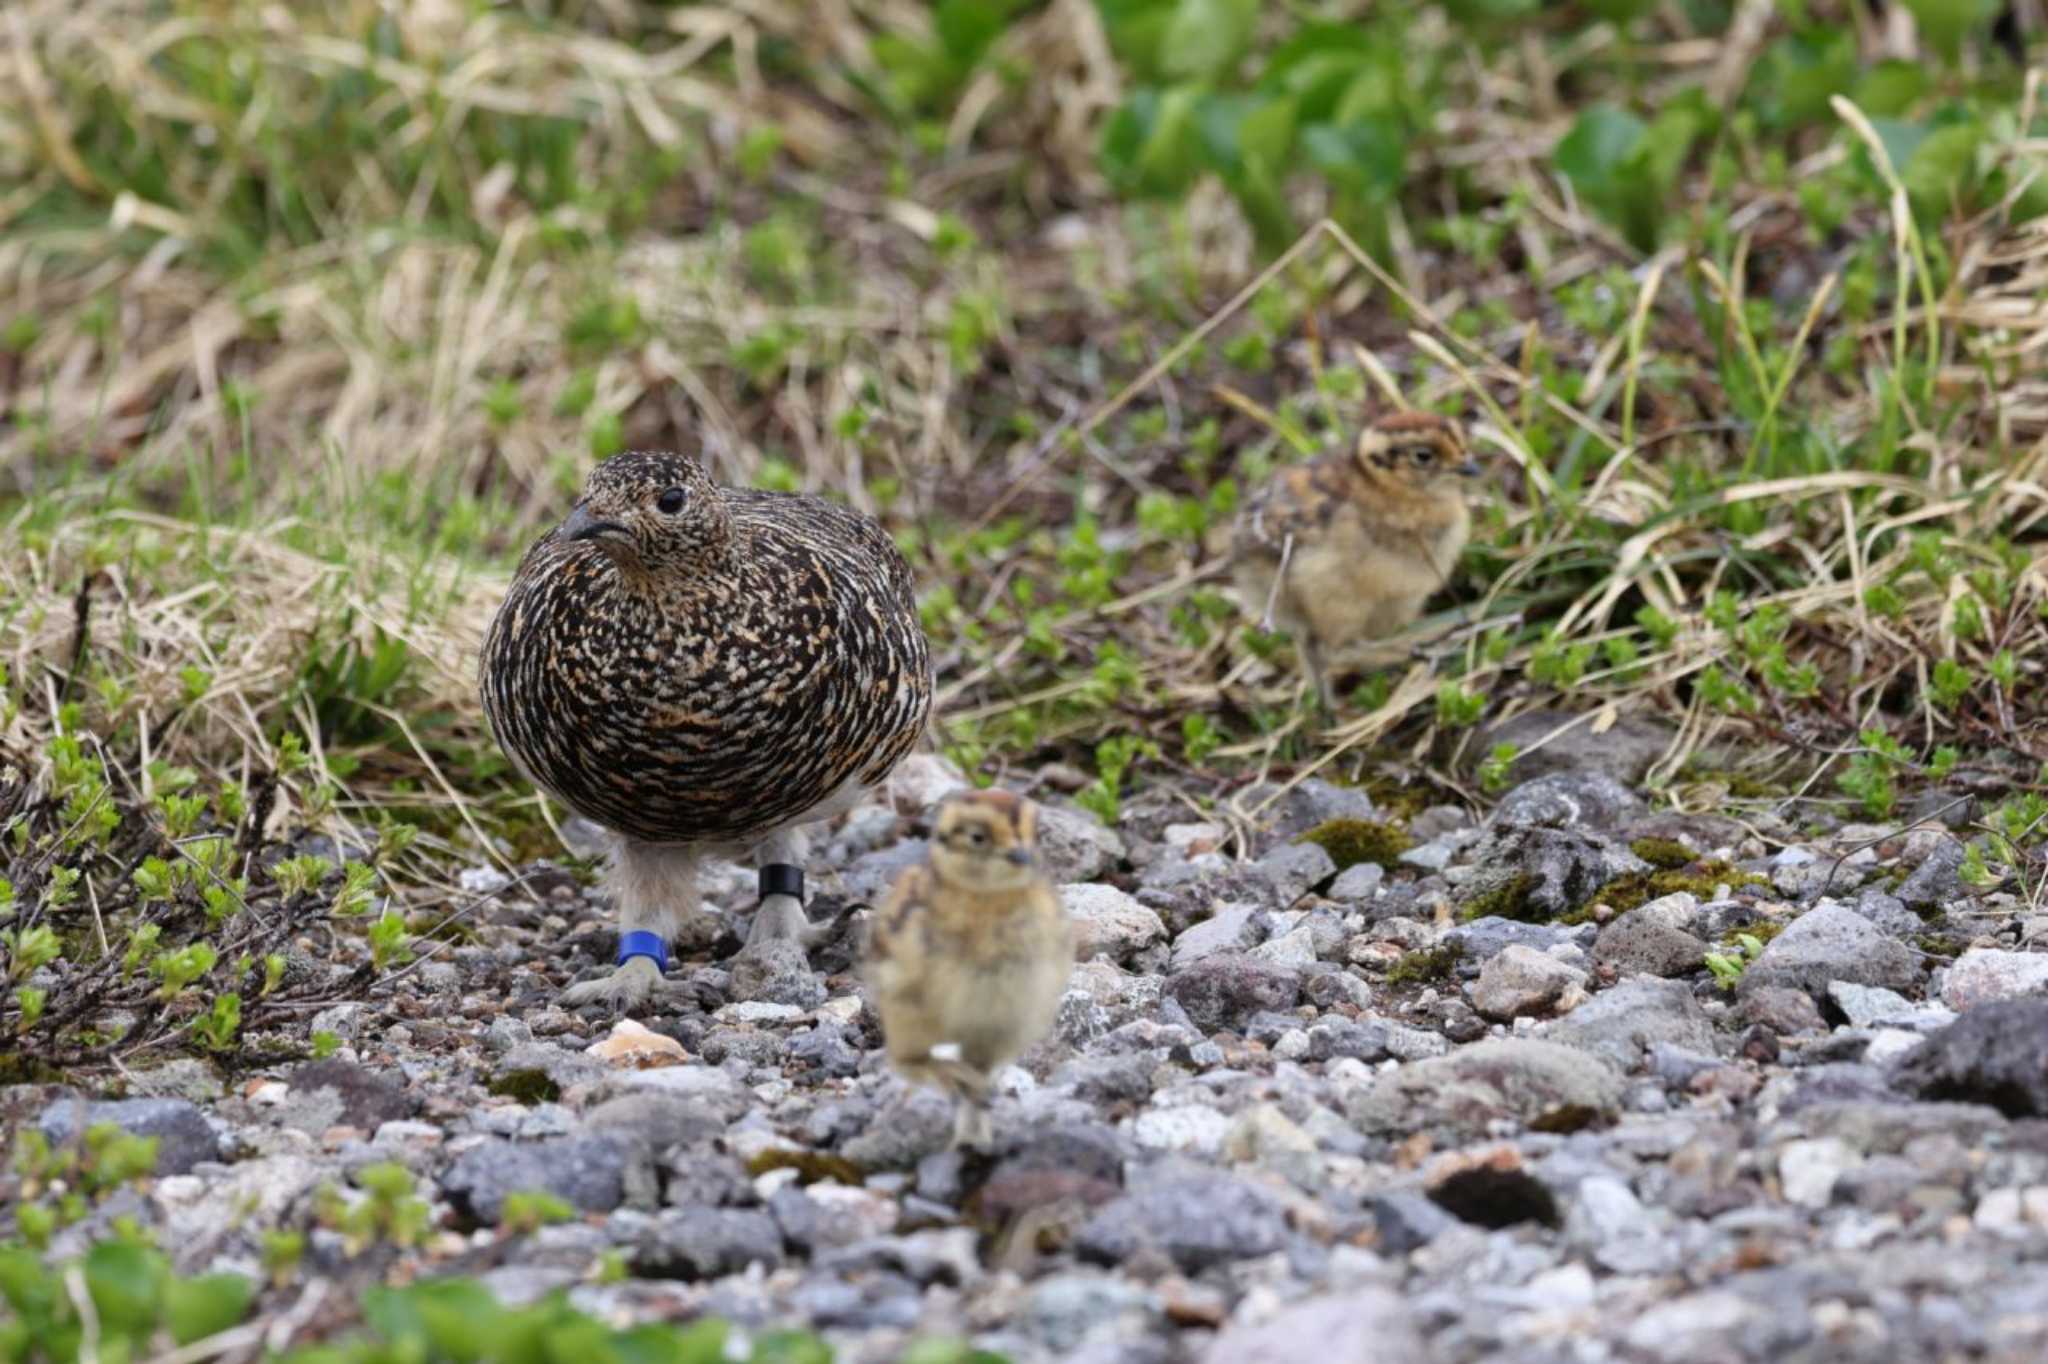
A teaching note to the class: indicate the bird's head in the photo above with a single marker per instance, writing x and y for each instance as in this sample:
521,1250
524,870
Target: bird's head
986,840
1418,452
649,511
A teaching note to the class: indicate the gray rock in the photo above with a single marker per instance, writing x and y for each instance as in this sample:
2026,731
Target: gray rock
1483,938
1783,1010
505,1033
776,972
1645,942
706,1084
1985,974
1890,914
1198,1220
1551,870
561,1066
1608,1222
594,1173
1404,1221
1552,741
1620,1024
1310,803
183,1136
1866,1005
1110,923
1576,799
183,1077
1295,869
1995,1054
1063,1310
1521,982
1357,884
705,1243
1832,942
1535,1083
655,1119
1232,928
1365,1324
868,877
1074,847
915,1122
340,1093
1219,992
1937,880
1337,1037
823,1051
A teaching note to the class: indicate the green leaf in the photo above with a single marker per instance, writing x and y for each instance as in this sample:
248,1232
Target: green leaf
1943,169
1137,32
967,28
197,1308
1946,23
1206,38
1366,157
126,1283
1890,88
1149,146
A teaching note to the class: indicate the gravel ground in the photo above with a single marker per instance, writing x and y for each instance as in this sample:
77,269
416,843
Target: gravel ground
1289,1108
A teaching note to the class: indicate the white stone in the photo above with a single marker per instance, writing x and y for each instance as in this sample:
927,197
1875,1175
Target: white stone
1109,922
1187,1129
1807,1170
1983,974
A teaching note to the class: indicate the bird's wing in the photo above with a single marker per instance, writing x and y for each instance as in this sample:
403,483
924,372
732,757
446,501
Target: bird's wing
894,935
1297,503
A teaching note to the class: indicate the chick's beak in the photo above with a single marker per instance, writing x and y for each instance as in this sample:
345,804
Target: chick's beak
1020,856
1471,468
581,525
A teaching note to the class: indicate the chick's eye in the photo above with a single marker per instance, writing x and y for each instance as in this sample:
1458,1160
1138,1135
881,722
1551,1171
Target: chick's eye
670,502
976,837
1424,456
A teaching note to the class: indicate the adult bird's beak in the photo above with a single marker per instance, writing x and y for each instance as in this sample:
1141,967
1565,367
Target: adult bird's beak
1471,468
1020,856
581,525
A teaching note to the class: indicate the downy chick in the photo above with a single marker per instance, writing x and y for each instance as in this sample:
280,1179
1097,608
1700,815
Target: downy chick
968,956
1345,548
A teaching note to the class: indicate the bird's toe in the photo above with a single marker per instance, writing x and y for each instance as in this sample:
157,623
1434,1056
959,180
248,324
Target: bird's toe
628,988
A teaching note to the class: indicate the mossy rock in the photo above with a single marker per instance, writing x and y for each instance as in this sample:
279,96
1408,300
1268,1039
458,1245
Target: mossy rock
529,1087
1352,841
812,1167
1944,945
1625,893
1665,854
1763,930
1401,799
1428,965
1508,900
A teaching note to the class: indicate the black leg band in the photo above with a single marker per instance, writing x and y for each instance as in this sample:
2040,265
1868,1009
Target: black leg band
780,878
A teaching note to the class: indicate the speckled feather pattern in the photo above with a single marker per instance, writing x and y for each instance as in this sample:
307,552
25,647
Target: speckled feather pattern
723,690
1303,500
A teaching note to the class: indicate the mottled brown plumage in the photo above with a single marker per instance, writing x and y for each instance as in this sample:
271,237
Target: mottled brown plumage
969,954
1344,549
703,669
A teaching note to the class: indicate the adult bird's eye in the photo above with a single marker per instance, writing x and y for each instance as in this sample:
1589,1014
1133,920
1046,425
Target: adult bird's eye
670,502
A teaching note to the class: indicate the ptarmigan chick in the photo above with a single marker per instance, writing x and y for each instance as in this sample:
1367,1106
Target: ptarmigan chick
1345,548
968,956
703,670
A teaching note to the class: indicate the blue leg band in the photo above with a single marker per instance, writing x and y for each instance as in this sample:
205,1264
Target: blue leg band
641,943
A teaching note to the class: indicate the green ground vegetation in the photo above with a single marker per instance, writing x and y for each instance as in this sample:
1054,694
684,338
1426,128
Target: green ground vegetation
312,316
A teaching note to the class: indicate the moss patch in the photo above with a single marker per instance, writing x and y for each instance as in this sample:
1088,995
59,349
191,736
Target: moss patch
1508,900
1665,854
1763,930
1430,964
812,1167
1402,799
529,1087
1352,841
1625,893
1944,945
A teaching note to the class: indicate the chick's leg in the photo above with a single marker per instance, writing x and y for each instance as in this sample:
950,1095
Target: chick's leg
1318,669
655,889
780,857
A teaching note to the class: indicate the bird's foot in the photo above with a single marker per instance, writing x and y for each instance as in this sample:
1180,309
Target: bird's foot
781,918
630,987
